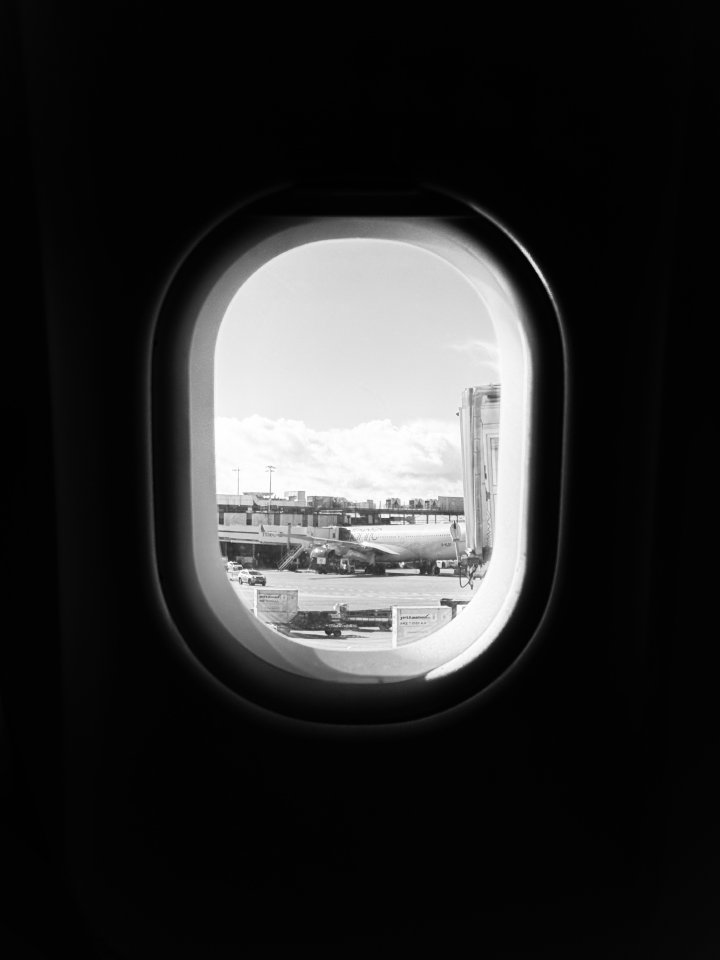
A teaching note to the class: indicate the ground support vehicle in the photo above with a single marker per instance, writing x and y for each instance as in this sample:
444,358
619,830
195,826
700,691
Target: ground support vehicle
233,570
252,578
333,622
332,564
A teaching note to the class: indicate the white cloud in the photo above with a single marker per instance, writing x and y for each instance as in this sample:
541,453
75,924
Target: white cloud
484,350
371,460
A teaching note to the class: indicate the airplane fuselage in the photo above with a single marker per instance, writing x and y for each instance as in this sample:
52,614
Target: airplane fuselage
403,543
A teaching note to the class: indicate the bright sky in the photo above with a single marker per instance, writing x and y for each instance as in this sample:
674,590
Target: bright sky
342,363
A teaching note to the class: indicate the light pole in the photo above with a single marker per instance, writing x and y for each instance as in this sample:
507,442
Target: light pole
270,469
237,471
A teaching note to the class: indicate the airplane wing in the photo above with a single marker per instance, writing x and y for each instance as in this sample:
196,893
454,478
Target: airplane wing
357,545
360,546
373,547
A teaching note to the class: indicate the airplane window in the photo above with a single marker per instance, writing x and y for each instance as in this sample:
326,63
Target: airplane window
373,344
359,405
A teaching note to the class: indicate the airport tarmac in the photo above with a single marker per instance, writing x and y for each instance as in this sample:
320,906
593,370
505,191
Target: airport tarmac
403,588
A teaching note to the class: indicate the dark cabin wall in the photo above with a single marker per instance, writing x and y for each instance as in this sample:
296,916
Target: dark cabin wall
567,811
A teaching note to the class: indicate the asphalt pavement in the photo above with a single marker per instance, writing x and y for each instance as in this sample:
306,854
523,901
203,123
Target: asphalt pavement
323,592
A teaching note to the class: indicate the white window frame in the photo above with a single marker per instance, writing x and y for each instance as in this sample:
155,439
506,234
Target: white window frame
466,636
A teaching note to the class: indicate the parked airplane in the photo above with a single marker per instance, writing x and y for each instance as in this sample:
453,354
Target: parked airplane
374,547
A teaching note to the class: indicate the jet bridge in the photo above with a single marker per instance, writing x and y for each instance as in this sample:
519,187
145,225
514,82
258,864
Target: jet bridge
479,437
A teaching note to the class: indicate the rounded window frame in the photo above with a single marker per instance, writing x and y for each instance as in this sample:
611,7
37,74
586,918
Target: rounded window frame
266,667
